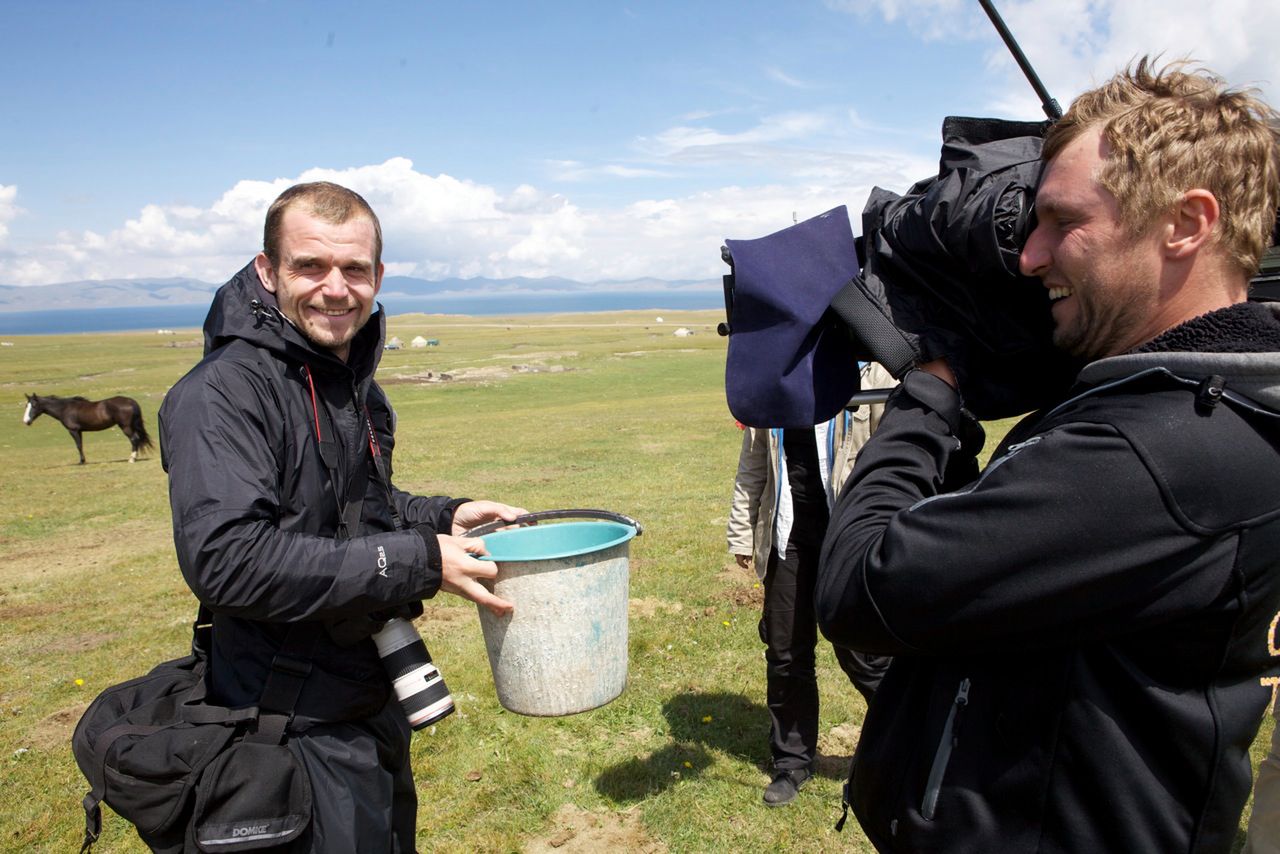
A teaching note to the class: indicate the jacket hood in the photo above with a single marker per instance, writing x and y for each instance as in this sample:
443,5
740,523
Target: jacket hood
1255,375
244,309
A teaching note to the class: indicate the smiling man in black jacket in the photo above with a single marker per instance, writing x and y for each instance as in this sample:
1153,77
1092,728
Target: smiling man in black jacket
278,447
1084,636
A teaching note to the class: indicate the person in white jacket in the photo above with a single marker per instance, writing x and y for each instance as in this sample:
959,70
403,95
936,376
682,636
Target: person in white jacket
777,524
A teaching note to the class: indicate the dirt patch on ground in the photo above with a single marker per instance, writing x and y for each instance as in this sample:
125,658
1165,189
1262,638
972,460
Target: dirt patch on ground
539,357
836,747
77,643
745,597
488,373
740,587
17,612
573,830
635,354
55,730
81,551
647,607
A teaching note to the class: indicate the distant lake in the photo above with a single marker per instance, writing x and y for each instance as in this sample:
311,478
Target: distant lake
187,316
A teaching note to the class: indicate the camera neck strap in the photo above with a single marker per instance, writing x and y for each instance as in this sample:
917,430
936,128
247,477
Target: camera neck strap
350,510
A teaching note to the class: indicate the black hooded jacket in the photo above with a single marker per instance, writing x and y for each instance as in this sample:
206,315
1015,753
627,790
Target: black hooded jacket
256,512
1085,637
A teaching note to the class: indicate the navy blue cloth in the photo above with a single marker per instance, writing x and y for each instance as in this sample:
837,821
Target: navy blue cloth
787,366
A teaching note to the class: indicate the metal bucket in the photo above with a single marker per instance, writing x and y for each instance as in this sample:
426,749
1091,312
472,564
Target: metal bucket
564,647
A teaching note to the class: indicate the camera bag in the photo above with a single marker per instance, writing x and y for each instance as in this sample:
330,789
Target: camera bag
192,776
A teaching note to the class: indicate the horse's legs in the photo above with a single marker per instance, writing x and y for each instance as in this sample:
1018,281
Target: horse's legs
133,442
75,434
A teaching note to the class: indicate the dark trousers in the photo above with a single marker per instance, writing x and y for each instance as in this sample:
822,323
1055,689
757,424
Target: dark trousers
790,633
363,798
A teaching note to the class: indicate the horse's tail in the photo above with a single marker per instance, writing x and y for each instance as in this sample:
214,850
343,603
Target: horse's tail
139,431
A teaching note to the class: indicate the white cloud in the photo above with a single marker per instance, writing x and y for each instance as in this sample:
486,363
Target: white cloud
441,226
784,78
8,208
1076,44
931,20
686,142
573,170
680,237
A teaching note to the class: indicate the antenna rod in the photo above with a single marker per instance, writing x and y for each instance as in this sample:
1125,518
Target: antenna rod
1047,101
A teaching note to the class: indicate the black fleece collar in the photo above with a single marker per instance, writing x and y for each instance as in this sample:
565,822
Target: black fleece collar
1245,327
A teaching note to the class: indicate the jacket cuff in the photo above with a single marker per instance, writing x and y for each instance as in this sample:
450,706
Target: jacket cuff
937,395
434,566
446,514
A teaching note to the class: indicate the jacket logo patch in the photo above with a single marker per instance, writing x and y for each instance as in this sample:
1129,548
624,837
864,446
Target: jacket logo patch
382,562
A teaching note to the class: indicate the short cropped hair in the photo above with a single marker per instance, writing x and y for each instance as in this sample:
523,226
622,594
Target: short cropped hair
330,202
1179,128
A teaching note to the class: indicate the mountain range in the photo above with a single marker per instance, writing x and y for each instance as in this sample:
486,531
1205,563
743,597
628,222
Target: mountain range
124,293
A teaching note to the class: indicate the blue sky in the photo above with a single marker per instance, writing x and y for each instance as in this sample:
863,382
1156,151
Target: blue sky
592,140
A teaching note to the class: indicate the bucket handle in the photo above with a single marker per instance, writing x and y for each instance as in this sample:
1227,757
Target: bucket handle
543,515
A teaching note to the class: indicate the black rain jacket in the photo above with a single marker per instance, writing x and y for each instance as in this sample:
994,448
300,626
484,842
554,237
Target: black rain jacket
255,515
1084,637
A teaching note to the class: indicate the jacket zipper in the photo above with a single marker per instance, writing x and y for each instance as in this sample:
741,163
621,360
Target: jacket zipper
950,737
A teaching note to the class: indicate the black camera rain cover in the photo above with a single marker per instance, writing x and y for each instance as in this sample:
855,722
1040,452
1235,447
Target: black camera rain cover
941,262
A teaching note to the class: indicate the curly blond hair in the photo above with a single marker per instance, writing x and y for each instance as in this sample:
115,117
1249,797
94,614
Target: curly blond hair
1179,128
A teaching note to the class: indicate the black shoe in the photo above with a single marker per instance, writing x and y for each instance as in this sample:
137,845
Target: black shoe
785,785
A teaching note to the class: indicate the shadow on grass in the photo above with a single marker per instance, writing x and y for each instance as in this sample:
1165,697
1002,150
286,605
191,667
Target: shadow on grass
699,723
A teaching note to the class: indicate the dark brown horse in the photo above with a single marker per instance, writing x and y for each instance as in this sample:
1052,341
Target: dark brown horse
78,414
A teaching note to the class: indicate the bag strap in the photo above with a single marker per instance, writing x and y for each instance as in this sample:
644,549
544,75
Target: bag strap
92,818
289,671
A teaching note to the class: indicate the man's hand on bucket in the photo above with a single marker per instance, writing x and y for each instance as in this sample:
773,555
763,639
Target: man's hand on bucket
461,572
475,513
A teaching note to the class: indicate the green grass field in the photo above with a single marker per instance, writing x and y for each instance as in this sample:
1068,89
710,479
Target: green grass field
601,410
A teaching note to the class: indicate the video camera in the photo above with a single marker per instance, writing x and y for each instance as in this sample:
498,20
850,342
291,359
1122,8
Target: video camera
934,273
